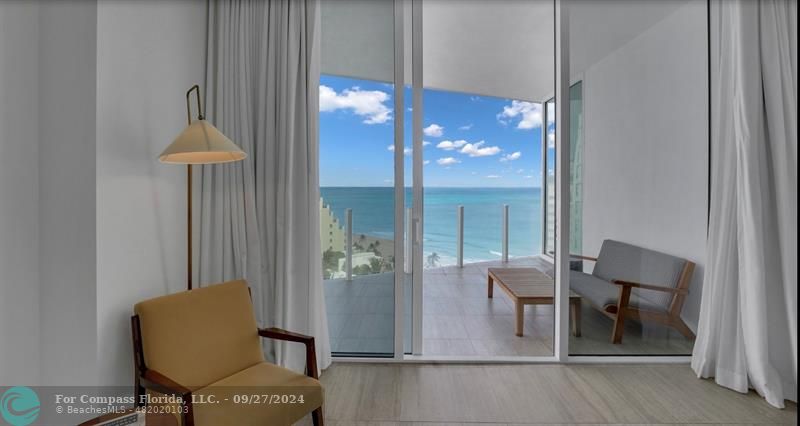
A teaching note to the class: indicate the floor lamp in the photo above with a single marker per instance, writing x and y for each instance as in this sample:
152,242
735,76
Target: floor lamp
199,143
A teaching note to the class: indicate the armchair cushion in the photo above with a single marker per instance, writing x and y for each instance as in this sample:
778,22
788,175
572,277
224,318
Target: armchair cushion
262,379
602,293
199,337
621,261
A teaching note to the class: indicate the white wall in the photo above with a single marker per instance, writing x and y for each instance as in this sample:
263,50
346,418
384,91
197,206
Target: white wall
646,144
19,193
67,80
148,55
90,221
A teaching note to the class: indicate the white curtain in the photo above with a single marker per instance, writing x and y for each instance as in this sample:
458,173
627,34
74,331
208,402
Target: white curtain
747,335
259,218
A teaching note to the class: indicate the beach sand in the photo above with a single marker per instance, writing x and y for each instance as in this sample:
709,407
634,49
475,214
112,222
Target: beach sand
386,247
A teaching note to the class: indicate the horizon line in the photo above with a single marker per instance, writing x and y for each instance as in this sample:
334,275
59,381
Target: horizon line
434,186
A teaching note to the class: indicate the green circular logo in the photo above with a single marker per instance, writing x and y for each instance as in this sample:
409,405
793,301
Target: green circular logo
20,406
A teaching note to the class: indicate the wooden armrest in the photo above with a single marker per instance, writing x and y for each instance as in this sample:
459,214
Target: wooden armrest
311,352
160,383
281,334
650,287
582,257
155,381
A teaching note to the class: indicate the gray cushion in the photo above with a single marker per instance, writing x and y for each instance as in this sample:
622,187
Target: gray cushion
623,261
601,292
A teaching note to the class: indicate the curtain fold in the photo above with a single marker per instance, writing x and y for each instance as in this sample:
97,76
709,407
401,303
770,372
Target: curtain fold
259,218
747,336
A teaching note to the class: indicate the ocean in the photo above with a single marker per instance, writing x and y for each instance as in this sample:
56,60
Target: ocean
373,215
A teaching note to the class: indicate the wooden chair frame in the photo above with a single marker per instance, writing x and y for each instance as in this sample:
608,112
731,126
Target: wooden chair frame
621,311
149,379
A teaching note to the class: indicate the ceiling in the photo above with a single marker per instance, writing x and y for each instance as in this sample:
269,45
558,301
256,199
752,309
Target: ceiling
501,48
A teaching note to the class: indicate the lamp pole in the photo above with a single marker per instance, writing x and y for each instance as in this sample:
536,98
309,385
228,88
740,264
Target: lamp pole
189,251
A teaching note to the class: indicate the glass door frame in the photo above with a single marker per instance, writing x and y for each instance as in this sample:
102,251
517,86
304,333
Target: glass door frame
399,182
417,208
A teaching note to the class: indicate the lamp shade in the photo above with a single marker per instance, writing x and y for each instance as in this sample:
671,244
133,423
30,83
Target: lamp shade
201,143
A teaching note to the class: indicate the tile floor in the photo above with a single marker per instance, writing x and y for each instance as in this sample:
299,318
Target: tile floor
460,320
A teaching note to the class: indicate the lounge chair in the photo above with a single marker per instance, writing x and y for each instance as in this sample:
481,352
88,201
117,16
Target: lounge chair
633,282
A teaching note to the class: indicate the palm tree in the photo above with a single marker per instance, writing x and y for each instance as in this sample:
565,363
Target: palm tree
433,260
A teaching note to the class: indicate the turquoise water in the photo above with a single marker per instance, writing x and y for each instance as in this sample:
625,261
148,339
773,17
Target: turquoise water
373,214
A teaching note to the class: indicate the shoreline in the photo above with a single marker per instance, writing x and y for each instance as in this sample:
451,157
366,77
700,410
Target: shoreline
384,246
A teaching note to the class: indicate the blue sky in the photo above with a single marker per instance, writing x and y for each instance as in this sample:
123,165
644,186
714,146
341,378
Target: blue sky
470,141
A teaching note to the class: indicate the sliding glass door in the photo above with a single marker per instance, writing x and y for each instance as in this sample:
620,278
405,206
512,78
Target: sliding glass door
431,166
357,176
484,68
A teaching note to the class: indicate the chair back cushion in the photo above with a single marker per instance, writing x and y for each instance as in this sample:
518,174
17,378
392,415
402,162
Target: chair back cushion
200,336
621,261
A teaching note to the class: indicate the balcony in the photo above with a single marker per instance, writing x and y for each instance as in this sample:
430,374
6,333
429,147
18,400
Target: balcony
458,319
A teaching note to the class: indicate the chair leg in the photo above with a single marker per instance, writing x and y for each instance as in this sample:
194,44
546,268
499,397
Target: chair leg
681,326
317,418
619,321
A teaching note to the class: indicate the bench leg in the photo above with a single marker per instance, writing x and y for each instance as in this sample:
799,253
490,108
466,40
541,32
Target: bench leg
575,313
520,308
490,288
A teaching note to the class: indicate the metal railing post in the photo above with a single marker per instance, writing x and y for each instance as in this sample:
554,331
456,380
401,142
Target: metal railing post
348,262
460,236
409,238
505,233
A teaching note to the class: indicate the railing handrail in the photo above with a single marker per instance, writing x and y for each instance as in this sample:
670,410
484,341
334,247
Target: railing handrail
408,239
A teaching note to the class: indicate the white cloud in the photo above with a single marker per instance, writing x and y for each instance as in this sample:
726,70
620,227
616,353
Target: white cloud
478,150
466,127
551,140
493,177
425,143
426,162
406,151
434,130
528,177
511,157
447,161
451,145
520,171
364,103
529,114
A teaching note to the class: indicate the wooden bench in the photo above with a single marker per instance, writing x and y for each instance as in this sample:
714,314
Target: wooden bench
530,286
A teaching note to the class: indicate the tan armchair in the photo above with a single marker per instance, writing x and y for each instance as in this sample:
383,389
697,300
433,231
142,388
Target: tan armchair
203,345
